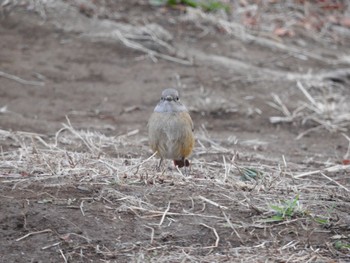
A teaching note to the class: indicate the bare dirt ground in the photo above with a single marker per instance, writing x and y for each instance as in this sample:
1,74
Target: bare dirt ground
269,180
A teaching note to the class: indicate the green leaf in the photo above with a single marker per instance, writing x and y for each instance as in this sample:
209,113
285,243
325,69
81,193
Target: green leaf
172,2
272,219
321,220
249,173
277,208
340,245
206,5
211,6
191,3
158,2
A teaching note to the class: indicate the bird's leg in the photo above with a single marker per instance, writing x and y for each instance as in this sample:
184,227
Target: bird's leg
160,163
187,167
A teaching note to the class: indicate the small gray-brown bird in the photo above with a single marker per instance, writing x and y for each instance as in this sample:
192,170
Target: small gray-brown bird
170,129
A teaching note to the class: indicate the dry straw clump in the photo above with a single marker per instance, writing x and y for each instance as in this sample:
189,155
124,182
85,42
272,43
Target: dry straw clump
328,110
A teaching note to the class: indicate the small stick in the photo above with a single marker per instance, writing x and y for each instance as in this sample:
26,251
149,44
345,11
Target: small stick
82,207
227,170
159,213
307,94
290,244
215,233
151,53
164,215
33,233
52,245
346,156
334,168
284,161
22,81
152,233
72,130
136,165
332,180
283,108
178,169
307,131
114,168
231,225
212,202
64,257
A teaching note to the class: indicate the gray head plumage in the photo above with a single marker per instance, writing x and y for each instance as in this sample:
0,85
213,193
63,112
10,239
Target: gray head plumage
170,102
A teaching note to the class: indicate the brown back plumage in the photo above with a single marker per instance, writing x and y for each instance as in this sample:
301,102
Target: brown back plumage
170,128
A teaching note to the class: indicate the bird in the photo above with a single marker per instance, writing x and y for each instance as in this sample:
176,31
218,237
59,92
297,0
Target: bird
170,129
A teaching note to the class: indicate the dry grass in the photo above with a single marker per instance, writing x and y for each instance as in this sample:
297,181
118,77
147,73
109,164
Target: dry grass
327,109
229,199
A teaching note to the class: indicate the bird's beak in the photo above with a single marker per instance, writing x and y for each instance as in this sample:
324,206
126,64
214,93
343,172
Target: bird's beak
169,98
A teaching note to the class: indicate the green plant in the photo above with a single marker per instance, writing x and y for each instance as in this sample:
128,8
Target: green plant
212,6
284,210
191,3
341,245
206,5
322,221
248,174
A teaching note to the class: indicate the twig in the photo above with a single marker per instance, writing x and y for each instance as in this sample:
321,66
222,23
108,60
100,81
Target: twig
161,213
152,233
240,32
231,225
64,257
283,107
332,180
334,168
82,207
139,164
164,215
215,233
302,134
274,225
279,119
152,53
57,135
114,168
72,130
227,168
33,233
22,81
52,245
284,161
290,244
180,172
212,202
307,94
347,154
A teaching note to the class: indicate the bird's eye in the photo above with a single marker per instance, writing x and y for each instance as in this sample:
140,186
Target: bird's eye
177,98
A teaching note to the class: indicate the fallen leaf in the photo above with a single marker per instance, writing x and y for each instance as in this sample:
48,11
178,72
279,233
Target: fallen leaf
331,6
345,21
281,32
24,173
333,19
65,237
250,19
346,161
